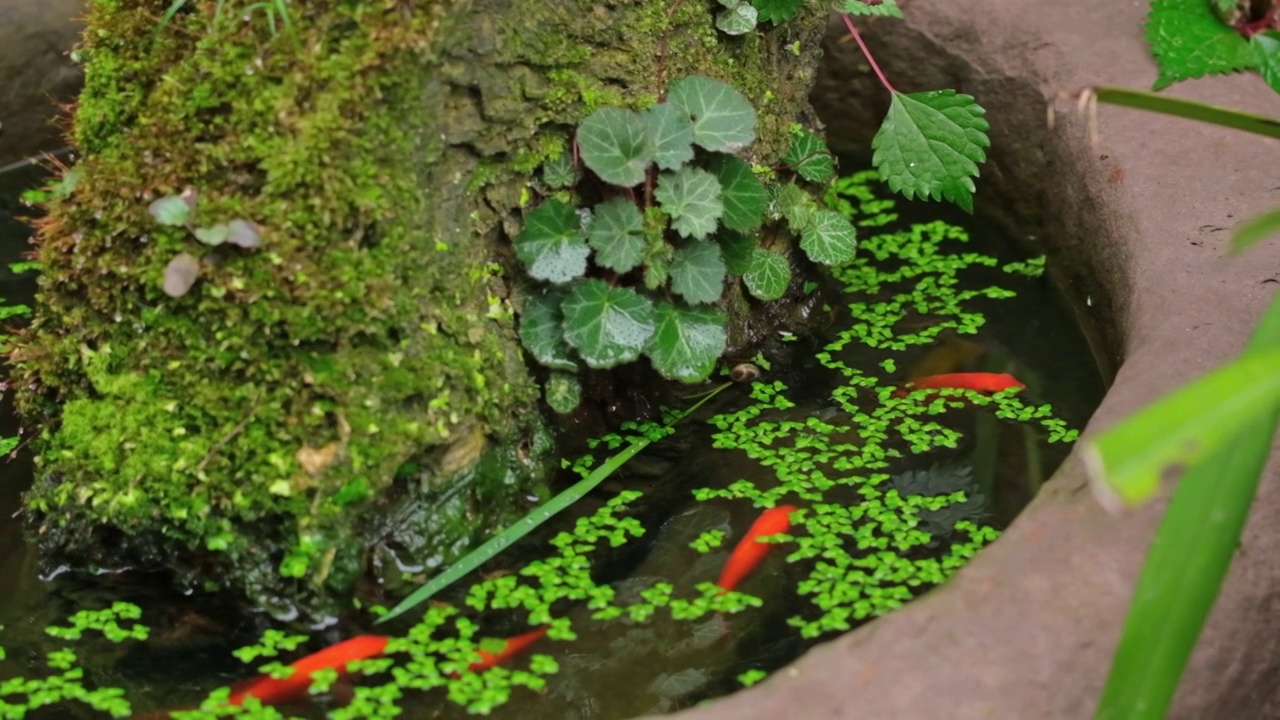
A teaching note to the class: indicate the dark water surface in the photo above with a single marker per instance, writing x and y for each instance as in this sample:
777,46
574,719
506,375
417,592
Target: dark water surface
620,671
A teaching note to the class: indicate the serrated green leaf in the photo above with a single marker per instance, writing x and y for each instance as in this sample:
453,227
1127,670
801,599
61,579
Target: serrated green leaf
777,11
616,145
686,342
607,326
170,210
1266,50
882,8
744,196
796,205
930,144
808,156
671,132
723,119
558,171
1189,41
616,233
697,272
830,239
551,244
736,19
736,250
768,275
691,196
563,393
1255,230
542,330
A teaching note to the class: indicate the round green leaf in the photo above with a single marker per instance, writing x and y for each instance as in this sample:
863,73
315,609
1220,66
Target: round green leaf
687,341
551,244
738,19
691,196
796,205
563,393
542,331
170,210
744,196
829,239
616,233
723,119
213,235
671,132
558,172
736,249
697,272
808,156
607,326
768,276
616,145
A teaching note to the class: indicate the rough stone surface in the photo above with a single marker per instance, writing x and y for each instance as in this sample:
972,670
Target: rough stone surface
1138,226
35,37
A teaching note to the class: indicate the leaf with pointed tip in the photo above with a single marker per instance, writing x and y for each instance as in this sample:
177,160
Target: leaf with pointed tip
769,274
542,330
808,155
930,144
551,244
697,272
1266,49
615,143
607,326
723,119
616,233
691,196
686,342
1189,41
830,239
671,133
744,196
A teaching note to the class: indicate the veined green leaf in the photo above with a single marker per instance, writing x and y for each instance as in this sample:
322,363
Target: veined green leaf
884,8
671,132
808,156
697,272
607,326
1266,50
736,250
930,144
558,172
616,233
829,239
551,244
616,144
1189,41
796,205
744,196
723,119
769,274
563,392
691,196
542,330
738,17
686,342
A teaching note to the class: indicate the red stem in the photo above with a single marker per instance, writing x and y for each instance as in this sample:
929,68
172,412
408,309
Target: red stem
848,22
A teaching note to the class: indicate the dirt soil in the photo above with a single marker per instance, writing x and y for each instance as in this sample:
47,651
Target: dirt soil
1137,226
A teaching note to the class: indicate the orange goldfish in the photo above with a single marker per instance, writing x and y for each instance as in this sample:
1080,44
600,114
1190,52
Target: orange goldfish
514,646
984,382
749,552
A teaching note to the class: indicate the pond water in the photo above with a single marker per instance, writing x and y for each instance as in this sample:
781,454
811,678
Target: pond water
788,438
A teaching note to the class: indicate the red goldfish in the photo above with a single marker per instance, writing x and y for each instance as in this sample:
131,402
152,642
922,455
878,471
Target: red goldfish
983,382
514,646
273,692
749,552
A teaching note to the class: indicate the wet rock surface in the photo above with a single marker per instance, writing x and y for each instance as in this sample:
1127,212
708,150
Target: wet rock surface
36,37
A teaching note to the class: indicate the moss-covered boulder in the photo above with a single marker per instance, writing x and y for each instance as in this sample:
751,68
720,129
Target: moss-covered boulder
341,389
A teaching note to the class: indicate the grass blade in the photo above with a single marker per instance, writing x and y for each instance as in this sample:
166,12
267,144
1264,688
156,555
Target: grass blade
1188,560
1255,230
1155,102
536,517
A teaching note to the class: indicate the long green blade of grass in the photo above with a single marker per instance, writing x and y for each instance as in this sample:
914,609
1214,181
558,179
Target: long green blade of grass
1155,102
1189,558
536,517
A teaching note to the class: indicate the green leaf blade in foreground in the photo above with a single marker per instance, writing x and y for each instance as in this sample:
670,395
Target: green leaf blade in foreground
1189,41
551,244
930,144
616,144
1187,562
1127,463
691,196
542,331
607,326
1255,230
616,233
744,196
698,272
539,515
723,119
687,342
768,275
830,239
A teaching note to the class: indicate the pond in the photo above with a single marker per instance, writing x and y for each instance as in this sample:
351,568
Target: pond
897,485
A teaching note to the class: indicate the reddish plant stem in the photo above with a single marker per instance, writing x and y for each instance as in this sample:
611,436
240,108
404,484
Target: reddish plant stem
848,22
661,60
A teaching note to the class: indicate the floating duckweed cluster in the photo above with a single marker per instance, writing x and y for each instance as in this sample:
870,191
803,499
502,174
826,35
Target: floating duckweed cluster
865,541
